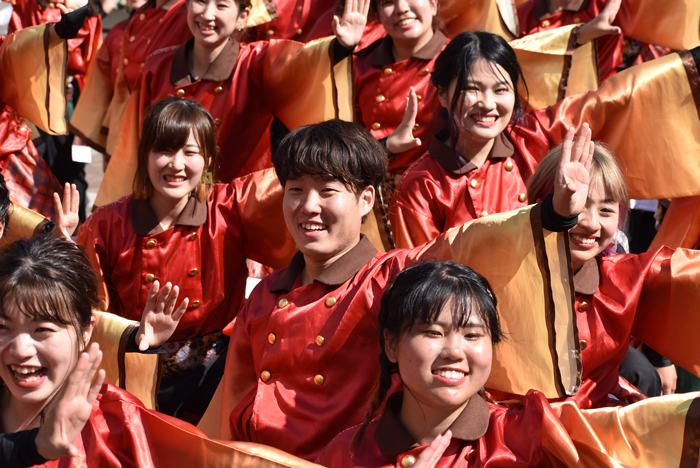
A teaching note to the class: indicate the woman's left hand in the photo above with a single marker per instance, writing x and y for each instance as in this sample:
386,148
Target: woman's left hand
571,180
67,218
348,29
160,318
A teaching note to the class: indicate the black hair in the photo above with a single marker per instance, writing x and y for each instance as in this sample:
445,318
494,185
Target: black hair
333,149
417,296
4,202
455,63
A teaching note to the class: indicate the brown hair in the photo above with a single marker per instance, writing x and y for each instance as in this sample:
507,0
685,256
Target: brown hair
604,168
333,149
166,128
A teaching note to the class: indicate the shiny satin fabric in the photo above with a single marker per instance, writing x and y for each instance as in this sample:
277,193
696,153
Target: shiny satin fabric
81,49
285,78
300,20
267,408
121,432
22,225
680,226
244,220
473,15
99,114
380,102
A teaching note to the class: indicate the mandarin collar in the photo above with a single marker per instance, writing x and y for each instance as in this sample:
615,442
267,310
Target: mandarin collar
219,70
541,8
382,55
587,279
336,274
393,438
502,148
145,221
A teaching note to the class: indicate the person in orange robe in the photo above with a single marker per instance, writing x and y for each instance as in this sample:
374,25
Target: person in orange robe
480,166
241,85
176,228
303,351
650,296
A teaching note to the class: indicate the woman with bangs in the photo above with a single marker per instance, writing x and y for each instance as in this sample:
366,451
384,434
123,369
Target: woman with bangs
652,296
479,163
180,227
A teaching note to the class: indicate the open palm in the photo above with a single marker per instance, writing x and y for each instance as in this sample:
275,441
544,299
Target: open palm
348,29
572,179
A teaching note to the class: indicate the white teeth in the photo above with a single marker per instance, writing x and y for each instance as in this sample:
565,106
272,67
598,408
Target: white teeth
24,369
583,240
313,227
175,178
450,374
484,118
406,22
27,373
206,28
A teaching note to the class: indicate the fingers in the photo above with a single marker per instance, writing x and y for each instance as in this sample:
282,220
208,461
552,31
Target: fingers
163,298
177,315
409,116
365,7
431,455
67,198
171,299
57,205
589,159
75,199
96,384
152,295
567,145
582,144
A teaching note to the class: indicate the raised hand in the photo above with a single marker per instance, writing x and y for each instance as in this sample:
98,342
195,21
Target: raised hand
571,180
67,218
402,138
601,25
66,6
67,417
160,318
349,28
431,455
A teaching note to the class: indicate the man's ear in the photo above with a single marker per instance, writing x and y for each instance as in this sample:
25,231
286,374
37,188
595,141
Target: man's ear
367,200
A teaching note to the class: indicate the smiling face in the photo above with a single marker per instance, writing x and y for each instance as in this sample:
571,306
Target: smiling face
36,355
324,216
212,22
596,226
487,102
176,174
407,20
443,365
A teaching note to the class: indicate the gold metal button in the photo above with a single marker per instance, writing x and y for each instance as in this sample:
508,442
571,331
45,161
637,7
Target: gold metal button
380,98
376,126
577,20
283,302
126,61
474,183
150,277
193,236
196,304
52,5
265,375
509,166
271,338
470,455
300,8
425,71
148,41
545,23
419,97
583,306
388,71
330,301
522,198
218,90
161,20
408,462
180,93
320,340
416,127
318,379
217,121
132,38
583,344
299,31
143,65
483,213
193,272
142,16
151,243
270,32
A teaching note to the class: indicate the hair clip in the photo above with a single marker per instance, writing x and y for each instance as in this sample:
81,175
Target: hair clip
206,178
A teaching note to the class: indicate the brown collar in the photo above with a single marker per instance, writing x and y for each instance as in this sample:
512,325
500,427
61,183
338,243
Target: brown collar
145,221
393,438
383,55
502,148
336,274
542,10
587,279
220,70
